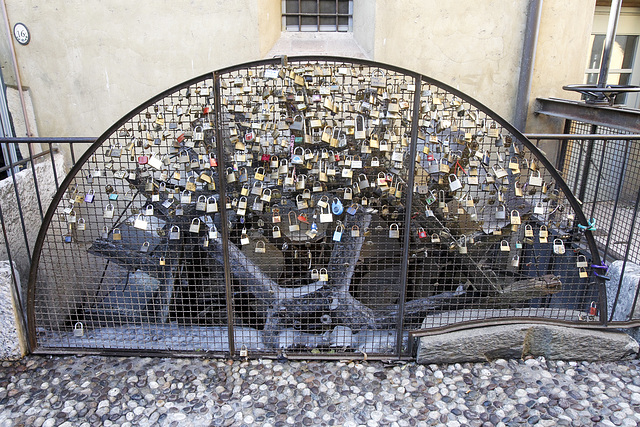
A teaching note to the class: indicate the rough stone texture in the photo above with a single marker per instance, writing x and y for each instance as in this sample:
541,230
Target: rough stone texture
521,340
30,208
628,288
133,391
12,334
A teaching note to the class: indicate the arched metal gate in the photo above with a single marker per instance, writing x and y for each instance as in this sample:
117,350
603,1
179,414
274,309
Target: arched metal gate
315,207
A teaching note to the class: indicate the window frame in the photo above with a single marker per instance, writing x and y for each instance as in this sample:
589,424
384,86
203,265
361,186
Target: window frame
317,27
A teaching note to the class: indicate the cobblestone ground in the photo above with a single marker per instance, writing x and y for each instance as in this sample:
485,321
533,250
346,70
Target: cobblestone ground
129,391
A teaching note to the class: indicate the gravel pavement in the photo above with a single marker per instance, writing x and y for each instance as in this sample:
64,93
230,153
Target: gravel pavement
131,391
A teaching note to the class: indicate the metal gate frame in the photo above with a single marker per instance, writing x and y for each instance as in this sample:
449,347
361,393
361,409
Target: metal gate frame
419,81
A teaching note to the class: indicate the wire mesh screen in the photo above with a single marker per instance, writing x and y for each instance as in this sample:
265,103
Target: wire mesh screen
604,174
316,207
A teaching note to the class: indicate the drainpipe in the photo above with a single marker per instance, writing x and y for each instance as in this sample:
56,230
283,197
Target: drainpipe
526,64
14,61
614,13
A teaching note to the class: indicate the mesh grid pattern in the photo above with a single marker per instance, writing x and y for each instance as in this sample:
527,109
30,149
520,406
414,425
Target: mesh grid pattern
317,208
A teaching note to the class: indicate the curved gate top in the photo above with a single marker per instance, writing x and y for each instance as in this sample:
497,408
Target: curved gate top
320,206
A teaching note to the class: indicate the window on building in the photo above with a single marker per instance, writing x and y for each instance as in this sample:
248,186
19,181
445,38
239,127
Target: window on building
624,68
621,65
317,15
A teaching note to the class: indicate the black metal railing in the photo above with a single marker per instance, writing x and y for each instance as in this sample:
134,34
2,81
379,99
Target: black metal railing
600,165
33,169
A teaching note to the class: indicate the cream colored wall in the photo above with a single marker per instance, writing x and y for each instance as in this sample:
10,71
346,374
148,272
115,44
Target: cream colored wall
90,62
473,46
269,24
560,58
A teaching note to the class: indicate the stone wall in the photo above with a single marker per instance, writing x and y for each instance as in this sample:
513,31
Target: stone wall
30,210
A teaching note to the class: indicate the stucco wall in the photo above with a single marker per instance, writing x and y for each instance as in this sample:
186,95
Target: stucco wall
473,46
90,62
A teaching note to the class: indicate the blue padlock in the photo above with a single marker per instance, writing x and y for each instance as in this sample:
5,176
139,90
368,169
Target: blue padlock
336,206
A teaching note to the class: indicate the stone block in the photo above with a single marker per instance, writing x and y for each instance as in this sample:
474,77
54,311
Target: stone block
522,340
13,339
628,287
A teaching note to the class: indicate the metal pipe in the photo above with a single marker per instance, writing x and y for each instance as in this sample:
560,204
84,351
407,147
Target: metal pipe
527,63
14,61
614,14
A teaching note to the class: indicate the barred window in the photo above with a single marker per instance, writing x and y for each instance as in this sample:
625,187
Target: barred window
317,15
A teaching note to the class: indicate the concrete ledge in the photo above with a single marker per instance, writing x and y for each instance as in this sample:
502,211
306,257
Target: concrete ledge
13,344
520,341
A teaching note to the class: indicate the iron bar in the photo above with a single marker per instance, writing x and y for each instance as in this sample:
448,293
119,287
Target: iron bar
610,37
224,221
35,181
16,286
626,257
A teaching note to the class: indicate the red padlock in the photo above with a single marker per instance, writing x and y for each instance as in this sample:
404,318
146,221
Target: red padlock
593,310
265,158
249,136
143,160
430,157
302,217
180,137
206,110
213,162
337,157
421,233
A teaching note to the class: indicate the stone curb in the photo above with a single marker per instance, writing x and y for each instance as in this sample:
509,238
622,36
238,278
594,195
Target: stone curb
523,340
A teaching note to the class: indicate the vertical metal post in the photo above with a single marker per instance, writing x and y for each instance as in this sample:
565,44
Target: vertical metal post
224,222
614,13
407,216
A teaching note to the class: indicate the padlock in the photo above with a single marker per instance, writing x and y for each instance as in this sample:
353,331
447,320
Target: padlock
260,247
593,309
360,132
315,275
501,212
108,211
88,198
185,197
535,179
140,223
211,205
422,234
145,247
323,275
504,246
78,329
394,231
454,183
538,209
195,225
293,222
558,247
244,237
276,232
161,261
462,247
201,203
528,230
325,216
337,234
117,235
515,217
174,233
581,261
67,238
355,231
435,238
582,273
515,261
213,232
336,206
